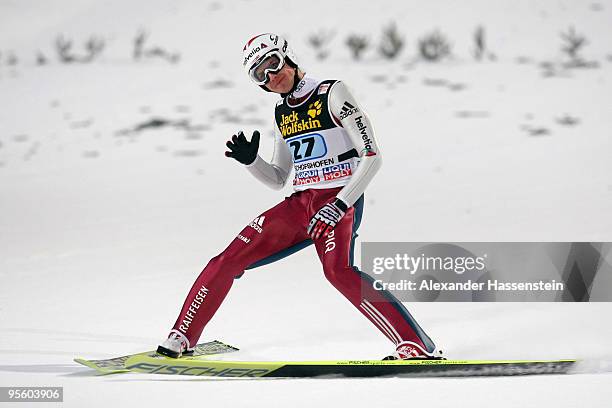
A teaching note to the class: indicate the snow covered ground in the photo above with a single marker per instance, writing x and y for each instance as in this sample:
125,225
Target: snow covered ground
103,230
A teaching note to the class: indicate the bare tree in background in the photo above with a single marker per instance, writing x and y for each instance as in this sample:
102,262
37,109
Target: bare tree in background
572,45
319,42
11,59
162,53
63,47
480,45
93,47
40,58
140,51
434,47
357,44
391,43
139,42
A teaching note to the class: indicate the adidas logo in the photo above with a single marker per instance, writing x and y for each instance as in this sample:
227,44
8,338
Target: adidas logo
347,110
257,223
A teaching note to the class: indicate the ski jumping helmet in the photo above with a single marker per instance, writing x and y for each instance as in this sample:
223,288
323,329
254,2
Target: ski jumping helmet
264,54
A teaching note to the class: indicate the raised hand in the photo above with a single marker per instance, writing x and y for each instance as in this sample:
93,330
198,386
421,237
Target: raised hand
243,150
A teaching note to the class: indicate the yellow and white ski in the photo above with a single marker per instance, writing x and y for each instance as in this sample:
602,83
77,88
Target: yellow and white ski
153,363
117,364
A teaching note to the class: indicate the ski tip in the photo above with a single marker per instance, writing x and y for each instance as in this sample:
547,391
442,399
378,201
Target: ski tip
226,345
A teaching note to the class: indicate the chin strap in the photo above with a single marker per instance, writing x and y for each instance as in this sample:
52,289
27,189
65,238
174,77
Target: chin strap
265,88
296,82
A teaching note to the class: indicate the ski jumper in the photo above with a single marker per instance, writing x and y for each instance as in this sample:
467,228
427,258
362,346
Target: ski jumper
325,136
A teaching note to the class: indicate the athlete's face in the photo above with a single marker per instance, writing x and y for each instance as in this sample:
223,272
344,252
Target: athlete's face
282,81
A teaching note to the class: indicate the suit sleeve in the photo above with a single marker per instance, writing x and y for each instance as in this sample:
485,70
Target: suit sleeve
358,127
275,173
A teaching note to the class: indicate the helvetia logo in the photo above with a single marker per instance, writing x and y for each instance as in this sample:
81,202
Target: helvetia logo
253,52
257,224
363,129
347,110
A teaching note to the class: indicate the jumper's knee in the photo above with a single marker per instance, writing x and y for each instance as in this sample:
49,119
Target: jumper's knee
342,277
224,264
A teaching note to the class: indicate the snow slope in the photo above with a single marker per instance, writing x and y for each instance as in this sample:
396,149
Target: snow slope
102,231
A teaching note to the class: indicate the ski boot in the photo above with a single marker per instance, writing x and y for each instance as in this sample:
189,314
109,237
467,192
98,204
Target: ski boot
408,350
175,346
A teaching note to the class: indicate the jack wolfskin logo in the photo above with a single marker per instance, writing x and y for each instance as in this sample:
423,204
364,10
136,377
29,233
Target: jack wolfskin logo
291,124
347,110
314,109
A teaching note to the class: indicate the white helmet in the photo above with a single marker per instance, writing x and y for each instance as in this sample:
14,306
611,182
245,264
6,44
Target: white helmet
264,54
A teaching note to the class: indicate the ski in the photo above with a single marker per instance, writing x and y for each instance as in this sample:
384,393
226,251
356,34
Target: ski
117,364
153,363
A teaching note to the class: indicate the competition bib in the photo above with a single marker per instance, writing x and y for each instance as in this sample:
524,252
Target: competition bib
323,154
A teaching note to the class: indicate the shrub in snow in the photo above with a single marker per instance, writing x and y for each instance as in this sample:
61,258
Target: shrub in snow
40,58
319,41
480,46
139,41
357,44
93,48
434,47
11,59
140,51
572,44
391,43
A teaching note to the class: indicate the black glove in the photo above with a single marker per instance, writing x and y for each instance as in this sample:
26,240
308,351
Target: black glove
326,219
241,149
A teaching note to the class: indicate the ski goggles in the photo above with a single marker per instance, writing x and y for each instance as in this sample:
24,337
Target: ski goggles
272,62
